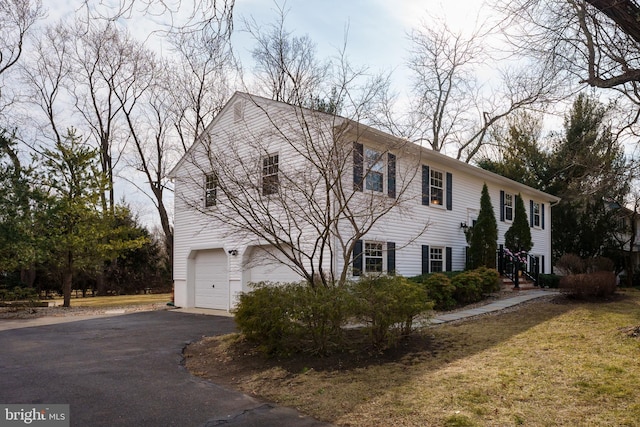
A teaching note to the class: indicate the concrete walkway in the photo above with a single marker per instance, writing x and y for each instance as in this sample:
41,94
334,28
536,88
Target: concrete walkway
521,297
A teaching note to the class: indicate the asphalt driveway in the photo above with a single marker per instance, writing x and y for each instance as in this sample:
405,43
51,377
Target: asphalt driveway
127,371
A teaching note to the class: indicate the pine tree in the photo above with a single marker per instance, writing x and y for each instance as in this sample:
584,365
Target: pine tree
483,236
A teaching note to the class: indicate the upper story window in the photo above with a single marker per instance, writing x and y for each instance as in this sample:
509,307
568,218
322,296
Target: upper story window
437,187
373,257
270,168
536,214
508,207
374,164
210,189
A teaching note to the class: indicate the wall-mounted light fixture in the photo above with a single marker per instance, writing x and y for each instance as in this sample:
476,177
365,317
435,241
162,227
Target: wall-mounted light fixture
464,226
233,252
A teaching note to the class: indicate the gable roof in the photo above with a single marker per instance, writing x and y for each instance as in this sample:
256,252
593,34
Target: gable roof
360,129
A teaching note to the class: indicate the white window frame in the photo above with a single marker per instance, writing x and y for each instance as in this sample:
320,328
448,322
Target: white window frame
374,167
433,176
210,190
374,251
509,207
434,257
270,171
537,214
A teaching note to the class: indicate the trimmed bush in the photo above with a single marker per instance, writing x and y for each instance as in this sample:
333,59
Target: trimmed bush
290,318
596,285
468,286
320,313
440,290
388,306
263,315
490,279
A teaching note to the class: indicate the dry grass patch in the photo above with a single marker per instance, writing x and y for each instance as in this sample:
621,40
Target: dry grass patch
545,364
118,300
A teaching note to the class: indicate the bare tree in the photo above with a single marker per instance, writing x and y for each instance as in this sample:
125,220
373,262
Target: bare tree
178,15
200,81
286,66
450,110
595,41
17,17
46,76
102,52
313,206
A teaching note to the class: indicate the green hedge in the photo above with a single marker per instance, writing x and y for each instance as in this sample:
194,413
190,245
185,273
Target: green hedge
290,318
450,289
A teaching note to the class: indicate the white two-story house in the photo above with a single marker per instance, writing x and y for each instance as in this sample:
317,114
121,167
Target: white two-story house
278,193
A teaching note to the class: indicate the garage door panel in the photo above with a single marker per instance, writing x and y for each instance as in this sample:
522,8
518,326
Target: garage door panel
211,280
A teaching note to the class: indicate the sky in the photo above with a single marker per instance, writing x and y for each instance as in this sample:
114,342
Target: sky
376,30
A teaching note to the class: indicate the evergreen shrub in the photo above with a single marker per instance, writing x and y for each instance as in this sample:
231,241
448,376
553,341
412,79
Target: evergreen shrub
388,306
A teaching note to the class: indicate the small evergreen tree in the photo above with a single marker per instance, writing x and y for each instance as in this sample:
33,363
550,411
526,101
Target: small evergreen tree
518,236
483,236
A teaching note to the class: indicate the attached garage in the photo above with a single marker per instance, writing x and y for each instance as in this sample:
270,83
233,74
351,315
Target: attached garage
211,279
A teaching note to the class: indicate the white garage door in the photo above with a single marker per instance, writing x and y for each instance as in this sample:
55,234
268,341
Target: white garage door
212,280
262,267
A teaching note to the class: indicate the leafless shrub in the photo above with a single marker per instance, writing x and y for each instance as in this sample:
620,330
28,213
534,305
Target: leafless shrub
596,285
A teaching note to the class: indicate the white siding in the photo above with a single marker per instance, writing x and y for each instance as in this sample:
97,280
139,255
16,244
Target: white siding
195,230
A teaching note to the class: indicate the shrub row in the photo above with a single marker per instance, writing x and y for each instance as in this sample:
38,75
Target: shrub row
448,290
290,318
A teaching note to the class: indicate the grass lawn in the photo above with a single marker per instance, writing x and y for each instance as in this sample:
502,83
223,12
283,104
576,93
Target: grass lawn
118,300
558,363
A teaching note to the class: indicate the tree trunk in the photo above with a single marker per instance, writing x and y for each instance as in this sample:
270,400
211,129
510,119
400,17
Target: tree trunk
67,280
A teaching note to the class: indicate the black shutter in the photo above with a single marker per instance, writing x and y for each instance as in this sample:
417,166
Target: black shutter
358,165
357,258
542,265
425,185
391,258
502,205
531,213
391,175
448,260
542,214
425,259
449,191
